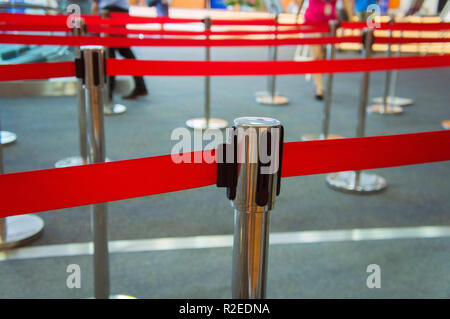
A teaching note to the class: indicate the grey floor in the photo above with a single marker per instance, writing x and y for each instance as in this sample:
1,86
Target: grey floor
416,196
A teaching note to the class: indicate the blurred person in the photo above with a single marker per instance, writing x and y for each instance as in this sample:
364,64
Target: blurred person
361,9
162,6
319,11
105,7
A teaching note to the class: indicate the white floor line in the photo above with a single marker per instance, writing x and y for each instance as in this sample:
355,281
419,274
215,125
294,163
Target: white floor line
218,241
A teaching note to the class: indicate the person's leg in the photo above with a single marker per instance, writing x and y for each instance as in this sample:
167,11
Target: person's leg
318,54
162,9
111,79
139,83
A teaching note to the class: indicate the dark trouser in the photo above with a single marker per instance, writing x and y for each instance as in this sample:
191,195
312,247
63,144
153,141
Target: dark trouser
126,53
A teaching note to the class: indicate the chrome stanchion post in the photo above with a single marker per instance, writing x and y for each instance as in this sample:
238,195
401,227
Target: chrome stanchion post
94,83
385,108
250,168
207,122
331,52
393,99
271,97
18,230
110,107
78,30
359,182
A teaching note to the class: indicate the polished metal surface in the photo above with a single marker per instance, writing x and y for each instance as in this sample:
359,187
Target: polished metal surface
82,116
72,161
392,99
385,108
200,123
251,221
250,131
315,137
331,52
19,230
250,253
356,182
7,137
359,182
395,101
206,122
226,241
94,59
271,97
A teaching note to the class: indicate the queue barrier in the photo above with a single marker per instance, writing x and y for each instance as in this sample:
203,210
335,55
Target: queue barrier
120,19
48,189
30,71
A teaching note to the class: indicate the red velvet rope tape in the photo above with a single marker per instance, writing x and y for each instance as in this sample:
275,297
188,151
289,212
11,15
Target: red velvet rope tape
407,40
122,19
117,42
249,68
30,71
36,71
400,26
42,190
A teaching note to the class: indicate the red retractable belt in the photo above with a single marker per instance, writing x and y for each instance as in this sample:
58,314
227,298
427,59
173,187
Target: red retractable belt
50,189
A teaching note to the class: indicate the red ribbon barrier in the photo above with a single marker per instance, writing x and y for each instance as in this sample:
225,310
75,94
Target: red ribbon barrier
123,19
30,71
407,40
250,68
400,26
42,190
36,71
124,31
118,42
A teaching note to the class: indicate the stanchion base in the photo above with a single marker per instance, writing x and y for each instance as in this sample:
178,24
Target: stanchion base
72,161
21,230
121,297
115,110
315,137
200,123
118,297
389,110
345,182
446,124
395,101
7,137
268,99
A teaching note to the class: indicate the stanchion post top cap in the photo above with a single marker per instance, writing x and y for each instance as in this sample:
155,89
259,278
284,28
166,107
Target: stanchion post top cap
91,47
256,122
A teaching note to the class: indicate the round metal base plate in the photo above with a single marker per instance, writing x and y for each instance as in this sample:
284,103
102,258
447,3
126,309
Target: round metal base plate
21,230
7,137
115,110
200,123
268,99
345,182
389,110
72,161
118,297
395,101
121,297
315,137
446,124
